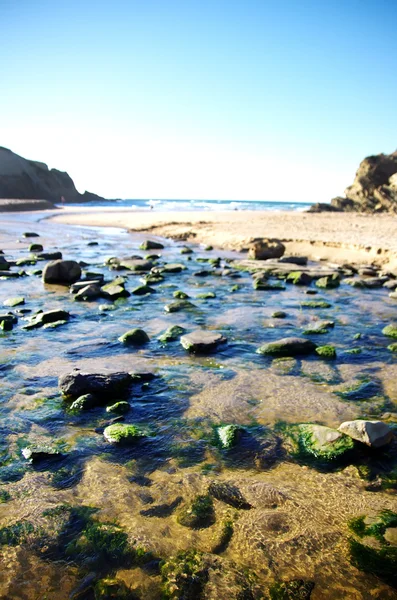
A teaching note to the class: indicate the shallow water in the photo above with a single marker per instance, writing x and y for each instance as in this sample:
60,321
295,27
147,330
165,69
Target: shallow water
297,526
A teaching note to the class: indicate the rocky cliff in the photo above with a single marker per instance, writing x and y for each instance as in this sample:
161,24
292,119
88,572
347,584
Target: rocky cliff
28,179
374,188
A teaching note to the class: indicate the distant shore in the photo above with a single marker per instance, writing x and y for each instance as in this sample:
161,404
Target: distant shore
339,237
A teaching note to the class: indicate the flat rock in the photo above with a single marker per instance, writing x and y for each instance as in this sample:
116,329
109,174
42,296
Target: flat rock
371,433
62,271
45,318
136,264
77,383
291,346
199,341
88,292
179,305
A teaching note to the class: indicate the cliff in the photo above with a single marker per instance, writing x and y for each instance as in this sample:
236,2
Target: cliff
373,190
29,179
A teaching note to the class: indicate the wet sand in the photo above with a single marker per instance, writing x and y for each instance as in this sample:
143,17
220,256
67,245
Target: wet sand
339,237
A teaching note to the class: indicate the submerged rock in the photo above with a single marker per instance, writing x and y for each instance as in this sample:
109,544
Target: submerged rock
40,451
371,433
62,271
228,493
328,352
113,291
88,292
119,408
142,290
179,305
315,304
199,514
201,341
120,433
134,337
296,589
324,442
292,346
84,402
77,384
299,278
228,435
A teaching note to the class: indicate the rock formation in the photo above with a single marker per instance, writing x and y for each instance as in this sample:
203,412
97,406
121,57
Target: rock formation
374,188
28,179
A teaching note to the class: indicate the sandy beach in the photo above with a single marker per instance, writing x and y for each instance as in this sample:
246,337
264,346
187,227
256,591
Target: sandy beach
339,237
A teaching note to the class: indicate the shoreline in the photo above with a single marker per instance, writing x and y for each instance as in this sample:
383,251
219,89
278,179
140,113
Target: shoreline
336,237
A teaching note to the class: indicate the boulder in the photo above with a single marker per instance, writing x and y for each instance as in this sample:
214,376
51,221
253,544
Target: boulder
390,330
324,442
77,383
151,245
371,433
201,341
262,249
120,433
62,271
291,346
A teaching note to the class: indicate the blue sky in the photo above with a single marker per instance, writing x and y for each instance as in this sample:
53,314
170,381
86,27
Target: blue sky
181,99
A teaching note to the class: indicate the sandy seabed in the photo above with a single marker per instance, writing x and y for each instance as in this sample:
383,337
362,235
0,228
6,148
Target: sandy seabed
332,236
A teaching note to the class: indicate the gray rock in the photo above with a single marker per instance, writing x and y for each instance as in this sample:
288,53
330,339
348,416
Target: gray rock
171,334
114,291
201,341
301,261
371,433
151,245
77,384
48,256
62,271
136,264
44,318
89,292
179,305
291,346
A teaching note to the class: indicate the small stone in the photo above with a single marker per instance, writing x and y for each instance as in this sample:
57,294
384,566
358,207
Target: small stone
35,248
201,341
16,301
392,347
206,296
315,304
390,330
84,402
120,433
186,250
30,234
180,295
371,433
301,261
324,442
171,334
43,318
265,285
88,292
119,408
179,305
151,245
299,278
173,268
327,352
54,325
279,314
134,337
78,383
292,346
36,452
114,291
328,282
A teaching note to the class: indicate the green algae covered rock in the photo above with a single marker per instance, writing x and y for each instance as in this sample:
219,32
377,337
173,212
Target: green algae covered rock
199,514
228,435
323,442
201,341
206,295
171,334
110,589
184,576
180,295
179,305
84,402
327,352
134,337
315,304
264,285
299,278
120,433
119,408
151,245
16,301
328,282
392,347
390,330
142,290
292,346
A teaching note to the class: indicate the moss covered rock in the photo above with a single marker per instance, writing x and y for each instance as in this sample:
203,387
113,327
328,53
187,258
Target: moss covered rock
292,346
199,514
328,282
390,330
327,352
120,433
134,337
323,442
171,334
119,408
228,435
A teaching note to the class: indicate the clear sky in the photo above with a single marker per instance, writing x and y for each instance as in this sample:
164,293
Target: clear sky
248,99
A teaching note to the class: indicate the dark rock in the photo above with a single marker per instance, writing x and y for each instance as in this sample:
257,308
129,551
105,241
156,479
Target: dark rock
201,341
142,290
299,278
4,264
28,234
328,282
179,305
77,384
136,264
323,207
301,261
172,333
84,402
134,337
151,245
35,248
45,318
48,256
40,451
292,346
229,494
88,292
113,291
62,271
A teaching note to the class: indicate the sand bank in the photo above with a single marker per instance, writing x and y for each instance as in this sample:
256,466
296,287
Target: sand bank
331,236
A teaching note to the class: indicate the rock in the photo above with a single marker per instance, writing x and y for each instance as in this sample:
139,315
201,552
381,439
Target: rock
390,330
392,347
136,264
55,324
110,589
329,282
206,296
30,234
279,314
199,514
301,261
203,273
114,291
44,318
16,301
119,408
62,271
393,295
172,333
228,435
142,290
262,284
35,248
390,536
4,264
88,292
228,493
84,402
180,295
291,346
178,306
77,383
151,245
322,207
299,589
263,249
48,256
324,442
40,451
327,352
186,250
371,433
29,179
299,278
316,304
134,337
120,433
173,268
391,284
201,341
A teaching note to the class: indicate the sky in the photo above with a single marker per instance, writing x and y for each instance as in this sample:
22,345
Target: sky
205,99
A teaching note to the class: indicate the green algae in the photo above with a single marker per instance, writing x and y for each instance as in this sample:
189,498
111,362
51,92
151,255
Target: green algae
228,435
297,589
119,408
4,496
180,295
327,352
14,535
199,514
172,334
390,330
184,576
134,337
227,530
315,304
120,433
328,282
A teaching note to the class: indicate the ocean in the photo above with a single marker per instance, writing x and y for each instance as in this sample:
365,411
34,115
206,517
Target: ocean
185,205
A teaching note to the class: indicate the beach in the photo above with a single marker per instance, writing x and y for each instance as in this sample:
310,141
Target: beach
339,237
